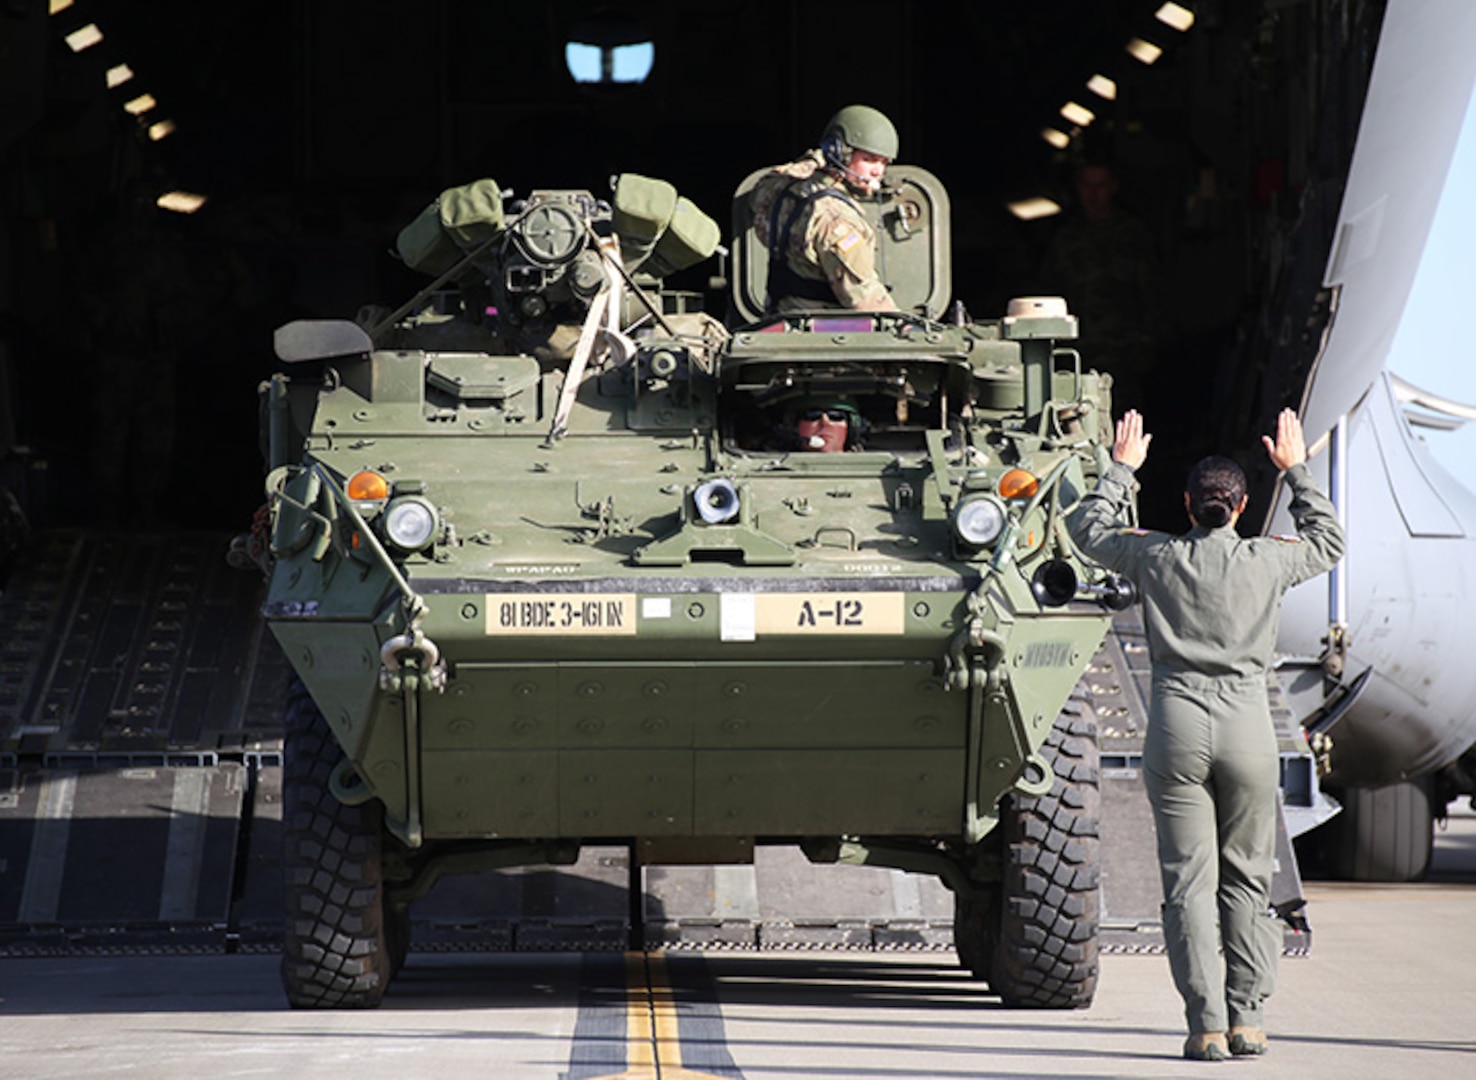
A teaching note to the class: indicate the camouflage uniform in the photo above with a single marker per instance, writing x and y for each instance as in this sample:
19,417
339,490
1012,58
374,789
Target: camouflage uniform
1211,602
1107,271
829,247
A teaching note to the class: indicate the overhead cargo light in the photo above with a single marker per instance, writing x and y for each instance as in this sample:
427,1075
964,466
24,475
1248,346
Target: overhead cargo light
140,105
583,61
1171,14
609,48
84,38
162,130
1059,139
1079,115
621,64
180,202
1145,51
59,5
118,75
1031,209
634,62
1103,87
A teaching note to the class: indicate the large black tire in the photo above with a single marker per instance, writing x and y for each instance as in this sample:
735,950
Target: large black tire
335,951
1044,951
1382,834
396,936
973,933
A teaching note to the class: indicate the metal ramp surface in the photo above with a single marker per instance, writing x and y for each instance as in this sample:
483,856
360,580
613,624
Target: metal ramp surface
96,855
137,714
130,649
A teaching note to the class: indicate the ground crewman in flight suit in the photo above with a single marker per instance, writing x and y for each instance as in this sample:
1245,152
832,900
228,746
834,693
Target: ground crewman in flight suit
1211,603
822,250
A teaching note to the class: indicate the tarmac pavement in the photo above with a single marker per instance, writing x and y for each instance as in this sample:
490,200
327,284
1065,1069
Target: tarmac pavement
1388,990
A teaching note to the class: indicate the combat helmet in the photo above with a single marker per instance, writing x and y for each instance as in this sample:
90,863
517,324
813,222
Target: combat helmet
858,127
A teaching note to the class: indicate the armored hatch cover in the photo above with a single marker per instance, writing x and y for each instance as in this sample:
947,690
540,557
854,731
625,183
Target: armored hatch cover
912,221
479,376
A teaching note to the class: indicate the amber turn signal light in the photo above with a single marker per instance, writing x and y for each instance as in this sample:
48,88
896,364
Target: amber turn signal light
367,486
1018,484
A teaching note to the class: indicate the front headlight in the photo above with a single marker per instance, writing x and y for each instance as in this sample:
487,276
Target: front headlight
409,523
979,520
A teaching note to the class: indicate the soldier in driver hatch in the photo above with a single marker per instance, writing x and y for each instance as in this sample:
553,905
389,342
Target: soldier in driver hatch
822,250
1211,603
827,428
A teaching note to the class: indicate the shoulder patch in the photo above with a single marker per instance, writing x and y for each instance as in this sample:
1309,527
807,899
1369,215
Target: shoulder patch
1132,532
1286,539
845,241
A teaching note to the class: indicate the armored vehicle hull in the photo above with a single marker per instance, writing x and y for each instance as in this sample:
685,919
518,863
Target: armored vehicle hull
536,600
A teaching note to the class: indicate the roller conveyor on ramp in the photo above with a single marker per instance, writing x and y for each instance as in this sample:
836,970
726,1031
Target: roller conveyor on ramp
132,740
140,783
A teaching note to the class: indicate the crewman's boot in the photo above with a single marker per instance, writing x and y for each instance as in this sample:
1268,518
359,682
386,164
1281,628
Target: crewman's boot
1246,1041
1207,1046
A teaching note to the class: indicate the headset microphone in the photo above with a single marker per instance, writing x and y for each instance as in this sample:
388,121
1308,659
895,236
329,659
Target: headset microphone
837,155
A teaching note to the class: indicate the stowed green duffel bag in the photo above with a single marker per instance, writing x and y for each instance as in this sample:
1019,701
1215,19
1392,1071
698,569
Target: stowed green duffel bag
642,210
691,237
458,221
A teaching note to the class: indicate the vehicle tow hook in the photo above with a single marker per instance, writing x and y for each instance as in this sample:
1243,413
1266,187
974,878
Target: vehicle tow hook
423,650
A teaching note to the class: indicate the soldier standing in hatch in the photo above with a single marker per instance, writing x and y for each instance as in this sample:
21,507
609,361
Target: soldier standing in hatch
1211,602
822,250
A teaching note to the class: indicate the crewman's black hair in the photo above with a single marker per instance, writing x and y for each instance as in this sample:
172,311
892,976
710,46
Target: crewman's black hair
1216,486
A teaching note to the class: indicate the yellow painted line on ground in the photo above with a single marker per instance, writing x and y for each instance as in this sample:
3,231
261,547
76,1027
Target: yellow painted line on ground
652,1035
640,1035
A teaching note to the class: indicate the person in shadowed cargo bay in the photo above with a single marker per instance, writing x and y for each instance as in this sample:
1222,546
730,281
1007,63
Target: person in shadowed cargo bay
1211,603
822,250
1102,260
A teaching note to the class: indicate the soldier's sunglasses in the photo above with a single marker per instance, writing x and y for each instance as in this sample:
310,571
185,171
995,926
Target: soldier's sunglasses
835,415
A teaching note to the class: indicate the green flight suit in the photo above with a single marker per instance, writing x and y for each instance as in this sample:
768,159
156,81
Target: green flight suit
1211,604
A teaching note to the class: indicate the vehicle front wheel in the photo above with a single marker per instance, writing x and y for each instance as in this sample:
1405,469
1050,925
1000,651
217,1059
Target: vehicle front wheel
973,933
1037,946
335,950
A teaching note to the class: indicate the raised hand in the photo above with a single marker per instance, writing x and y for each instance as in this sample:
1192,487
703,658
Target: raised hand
1290,447
1131,445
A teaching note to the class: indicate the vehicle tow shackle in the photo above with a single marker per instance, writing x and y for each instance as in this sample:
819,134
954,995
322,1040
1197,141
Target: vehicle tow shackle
426,654
976,651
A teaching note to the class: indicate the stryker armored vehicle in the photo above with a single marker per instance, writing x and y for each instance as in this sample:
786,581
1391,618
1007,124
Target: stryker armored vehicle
553,570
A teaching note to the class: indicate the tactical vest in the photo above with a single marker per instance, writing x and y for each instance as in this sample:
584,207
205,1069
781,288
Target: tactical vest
783,281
